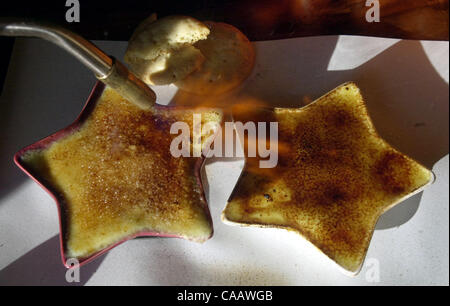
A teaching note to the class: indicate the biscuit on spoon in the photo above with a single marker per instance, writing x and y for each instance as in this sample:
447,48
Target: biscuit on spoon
162,52
229,61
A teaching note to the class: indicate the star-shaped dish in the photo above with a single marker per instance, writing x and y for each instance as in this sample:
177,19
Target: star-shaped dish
334,178
114,178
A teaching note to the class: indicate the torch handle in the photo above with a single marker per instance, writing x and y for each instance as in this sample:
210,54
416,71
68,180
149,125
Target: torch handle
106,69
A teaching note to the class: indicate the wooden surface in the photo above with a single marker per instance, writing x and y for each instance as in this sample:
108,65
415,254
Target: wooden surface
258,19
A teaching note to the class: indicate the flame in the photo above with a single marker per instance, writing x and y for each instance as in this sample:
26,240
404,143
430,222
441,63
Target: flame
238,105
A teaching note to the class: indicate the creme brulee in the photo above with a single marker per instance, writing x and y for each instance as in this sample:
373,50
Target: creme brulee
117,178
335,176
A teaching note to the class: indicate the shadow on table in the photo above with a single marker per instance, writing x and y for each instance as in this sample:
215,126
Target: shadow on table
42,266
29,113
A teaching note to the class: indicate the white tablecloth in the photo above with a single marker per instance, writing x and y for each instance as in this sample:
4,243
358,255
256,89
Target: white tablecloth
406,87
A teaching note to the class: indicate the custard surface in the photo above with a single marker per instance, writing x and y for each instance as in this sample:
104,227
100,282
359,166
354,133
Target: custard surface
335,176
117,177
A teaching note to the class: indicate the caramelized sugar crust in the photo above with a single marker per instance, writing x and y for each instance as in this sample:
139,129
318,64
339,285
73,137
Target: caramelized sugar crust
118,178
334,178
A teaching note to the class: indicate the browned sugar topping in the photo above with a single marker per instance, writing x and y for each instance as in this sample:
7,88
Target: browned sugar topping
334,176
117,177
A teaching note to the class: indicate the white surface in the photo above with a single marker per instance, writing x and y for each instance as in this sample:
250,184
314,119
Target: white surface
406,89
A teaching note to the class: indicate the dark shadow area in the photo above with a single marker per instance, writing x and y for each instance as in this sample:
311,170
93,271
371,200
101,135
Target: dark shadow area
42,266
408,101
413,118
28,112
205,183
7,44
400,213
